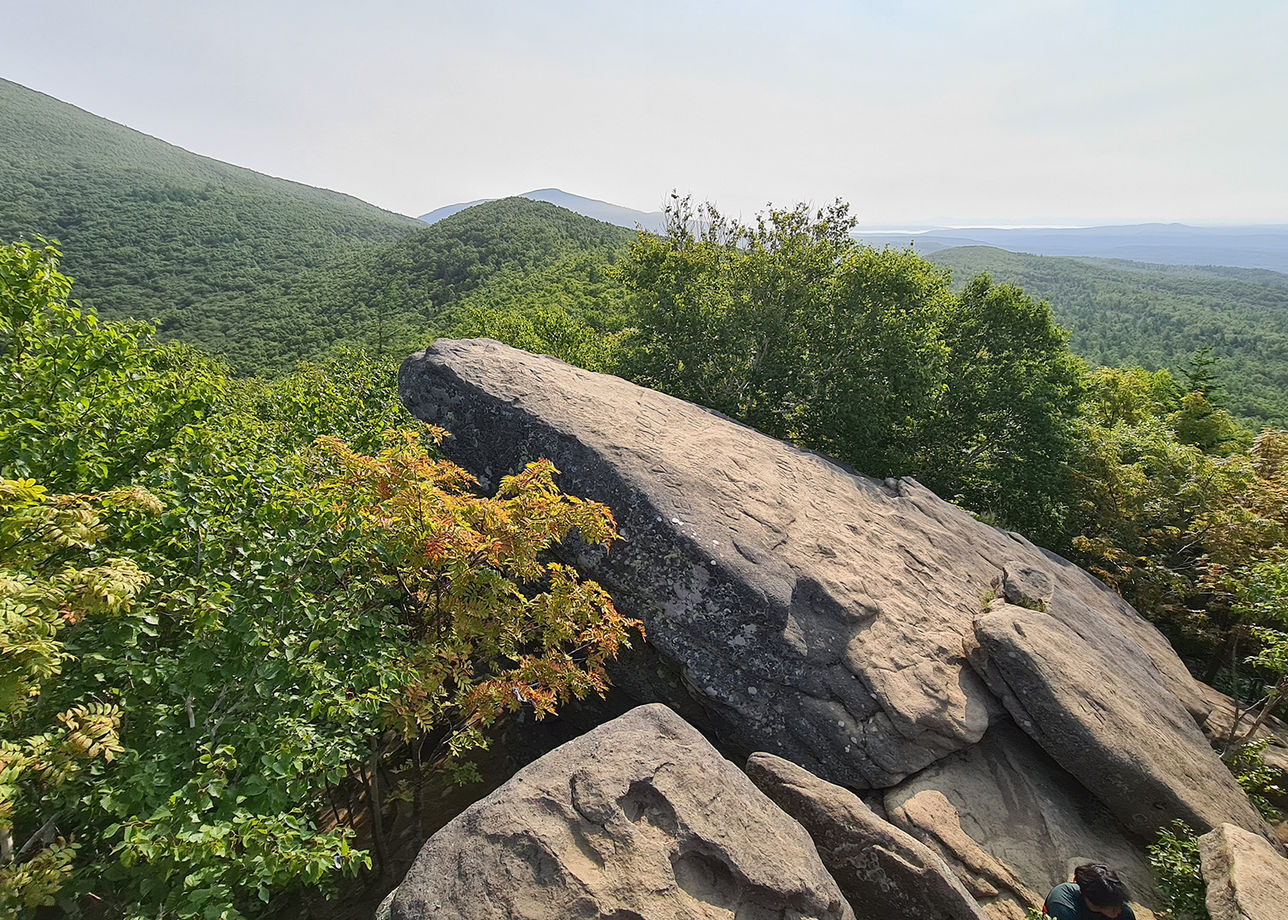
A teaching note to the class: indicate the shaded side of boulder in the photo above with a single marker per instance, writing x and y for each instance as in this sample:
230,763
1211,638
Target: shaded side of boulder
639,818
1115,728
811,612
882,871
1011,823
1246,879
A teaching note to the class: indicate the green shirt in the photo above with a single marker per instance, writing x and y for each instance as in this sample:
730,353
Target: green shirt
1065,902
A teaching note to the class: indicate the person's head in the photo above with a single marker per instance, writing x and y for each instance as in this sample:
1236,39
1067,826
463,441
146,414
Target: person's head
1102,890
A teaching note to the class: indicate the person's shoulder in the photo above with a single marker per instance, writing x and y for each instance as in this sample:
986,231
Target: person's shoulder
1128,913
1065,891
1064,900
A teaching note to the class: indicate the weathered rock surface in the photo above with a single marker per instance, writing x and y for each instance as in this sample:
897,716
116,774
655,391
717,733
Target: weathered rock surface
1012,824
1026,586
811,612
639,819
1117,729
1246,879
882,871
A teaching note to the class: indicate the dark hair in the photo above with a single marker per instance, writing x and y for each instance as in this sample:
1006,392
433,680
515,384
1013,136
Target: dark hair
1100,885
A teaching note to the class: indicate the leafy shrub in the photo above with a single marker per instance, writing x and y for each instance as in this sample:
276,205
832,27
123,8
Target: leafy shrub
1174,857
1254,776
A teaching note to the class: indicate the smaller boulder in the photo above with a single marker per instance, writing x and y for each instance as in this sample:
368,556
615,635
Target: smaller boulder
1246,879
1112,725
882,871
638,818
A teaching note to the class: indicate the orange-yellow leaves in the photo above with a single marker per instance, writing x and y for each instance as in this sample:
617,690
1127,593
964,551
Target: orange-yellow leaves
497,625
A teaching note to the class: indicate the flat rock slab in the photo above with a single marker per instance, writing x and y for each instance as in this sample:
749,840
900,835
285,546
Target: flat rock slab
813,613
1246,879
882,871
639,819
1133,746
1011,823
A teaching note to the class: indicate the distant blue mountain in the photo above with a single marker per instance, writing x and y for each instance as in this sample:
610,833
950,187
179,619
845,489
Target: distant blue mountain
1167,244
446,211
589,207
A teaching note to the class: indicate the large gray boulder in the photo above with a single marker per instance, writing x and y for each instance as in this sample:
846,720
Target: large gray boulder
882,871
639,819
1012,824
1113,726
1246,879
810,612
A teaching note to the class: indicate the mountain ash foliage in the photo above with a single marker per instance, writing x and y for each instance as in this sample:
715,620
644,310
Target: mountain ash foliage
237,617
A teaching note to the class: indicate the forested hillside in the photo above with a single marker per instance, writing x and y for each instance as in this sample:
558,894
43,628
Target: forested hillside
152,230
396,297
261,271
1156,316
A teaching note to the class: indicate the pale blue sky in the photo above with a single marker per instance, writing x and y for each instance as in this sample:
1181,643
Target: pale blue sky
1041,111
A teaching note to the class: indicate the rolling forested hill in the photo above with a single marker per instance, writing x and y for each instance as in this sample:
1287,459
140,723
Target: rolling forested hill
396,297
1132,313
151,230
259,270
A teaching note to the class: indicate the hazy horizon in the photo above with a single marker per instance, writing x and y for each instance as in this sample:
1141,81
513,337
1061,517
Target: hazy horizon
1053,113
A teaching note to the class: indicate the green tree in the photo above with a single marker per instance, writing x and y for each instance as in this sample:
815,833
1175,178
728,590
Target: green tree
86,404
47,583
1173,526
999,437
792,327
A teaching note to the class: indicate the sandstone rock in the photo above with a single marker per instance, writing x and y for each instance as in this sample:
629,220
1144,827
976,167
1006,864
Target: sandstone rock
639,819
1116,729
882,871
1012,824
810,612
1246,879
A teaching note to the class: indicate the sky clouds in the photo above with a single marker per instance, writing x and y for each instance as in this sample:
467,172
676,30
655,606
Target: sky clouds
932,112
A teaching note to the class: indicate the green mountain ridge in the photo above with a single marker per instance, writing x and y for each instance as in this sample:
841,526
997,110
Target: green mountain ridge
154,230
266,272
259,270
1156,316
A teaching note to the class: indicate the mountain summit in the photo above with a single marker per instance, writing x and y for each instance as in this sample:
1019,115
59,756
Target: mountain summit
588,207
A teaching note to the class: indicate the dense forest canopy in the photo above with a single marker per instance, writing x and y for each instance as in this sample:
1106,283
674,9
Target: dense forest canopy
1125,314
231,609
394,298
265,272
161,233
